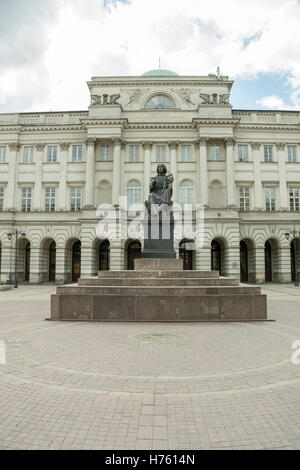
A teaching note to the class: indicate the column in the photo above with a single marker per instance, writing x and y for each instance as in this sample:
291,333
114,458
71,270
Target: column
231,258
202,175
37,270
259,264
7,260
62,199
203,258
280,148
37,192
283,272
90,174
173,168
116,190
230,181
258,201
116,255
147,167
10,192
61,270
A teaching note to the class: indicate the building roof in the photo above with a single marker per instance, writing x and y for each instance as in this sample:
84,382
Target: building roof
160,72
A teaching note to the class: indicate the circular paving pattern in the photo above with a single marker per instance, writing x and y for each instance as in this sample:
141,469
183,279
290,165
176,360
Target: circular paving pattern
147,385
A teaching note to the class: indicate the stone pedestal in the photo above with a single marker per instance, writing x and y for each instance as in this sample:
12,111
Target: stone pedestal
158,291
158,264
159,235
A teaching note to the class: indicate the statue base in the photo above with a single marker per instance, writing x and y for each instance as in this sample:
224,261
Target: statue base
159,235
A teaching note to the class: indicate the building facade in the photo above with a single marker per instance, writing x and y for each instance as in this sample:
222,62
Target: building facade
243,166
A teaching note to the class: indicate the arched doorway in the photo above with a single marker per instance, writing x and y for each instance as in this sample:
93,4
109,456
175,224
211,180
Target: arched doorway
104,256
52,261
216,256
244,262
187,254
268,262
134,251
27,261
76,261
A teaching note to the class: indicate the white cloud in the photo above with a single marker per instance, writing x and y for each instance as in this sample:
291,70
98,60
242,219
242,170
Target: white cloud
275,102
82,38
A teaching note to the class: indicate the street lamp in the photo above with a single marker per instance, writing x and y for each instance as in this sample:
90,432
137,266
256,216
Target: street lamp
293,234
15,234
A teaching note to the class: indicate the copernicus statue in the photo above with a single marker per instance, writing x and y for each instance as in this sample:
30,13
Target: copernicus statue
161,190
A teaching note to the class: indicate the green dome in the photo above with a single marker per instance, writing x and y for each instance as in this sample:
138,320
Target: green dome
159,72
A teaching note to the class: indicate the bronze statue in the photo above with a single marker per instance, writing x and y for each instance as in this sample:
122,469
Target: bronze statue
161,190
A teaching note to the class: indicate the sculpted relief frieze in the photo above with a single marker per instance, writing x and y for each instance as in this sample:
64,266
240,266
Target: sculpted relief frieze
214,98
105,99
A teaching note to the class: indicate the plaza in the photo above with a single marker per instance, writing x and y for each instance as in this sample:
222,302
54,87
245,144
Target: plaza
148,386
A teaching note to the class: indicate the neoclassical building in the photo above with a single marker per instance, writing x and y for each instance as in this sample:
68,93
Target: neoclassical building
243,166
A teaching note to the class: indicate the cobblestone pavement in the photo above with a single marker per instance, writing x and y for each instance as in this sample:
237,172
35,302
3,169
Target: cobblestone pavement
148,385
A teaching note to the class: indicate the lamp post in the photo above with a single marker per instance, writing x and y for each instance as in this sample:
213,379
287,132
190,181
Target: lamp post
292,234
15,234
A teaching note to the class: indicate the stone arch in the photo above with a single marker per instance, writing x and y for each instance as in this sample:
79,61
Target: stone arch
219,246
47,264
133,249
272,260
247,260
187,253
149,96
72,259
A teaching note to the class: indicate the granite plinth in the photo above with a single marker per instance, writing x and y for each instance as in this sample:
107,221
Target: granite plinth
158,290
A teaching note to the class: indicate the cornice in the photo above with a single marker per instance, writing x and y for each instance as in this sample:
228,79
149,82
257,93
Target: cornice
273,126
228,122
104,122
161,125
161,82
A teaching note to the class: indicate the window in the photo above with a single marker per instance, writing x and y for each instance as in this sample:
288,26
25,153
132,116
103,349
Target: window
50,199
75,199
133,194
160,153
2,154
160,102
134,153
294,194
1,198
243,153
268,153
292,155
214,152
28,154
186,153
77,153
105,153
270,194
52,154
26,199
245,199
186,193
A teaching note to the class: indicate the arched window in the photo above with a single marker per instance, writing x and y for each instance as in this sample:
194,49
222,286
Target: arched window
187,193
160,102
133,193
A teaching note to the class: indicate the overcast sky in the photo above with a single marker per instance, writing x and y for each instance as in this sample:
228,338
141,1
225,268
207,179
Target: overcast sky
50,48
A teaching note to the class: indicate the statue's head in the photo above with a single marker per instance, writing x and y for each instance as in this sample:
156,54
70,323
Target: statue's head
161,169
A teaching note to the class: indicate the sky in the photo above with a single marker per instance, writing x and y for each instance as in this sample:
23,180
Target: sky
49,49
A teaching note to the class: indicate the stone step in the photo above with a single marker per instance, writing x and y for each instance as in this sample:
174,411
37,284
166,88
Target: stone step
169,282
160,274
241,307
163,281
159,290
